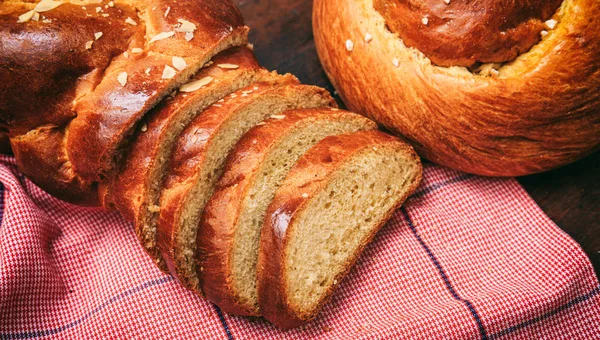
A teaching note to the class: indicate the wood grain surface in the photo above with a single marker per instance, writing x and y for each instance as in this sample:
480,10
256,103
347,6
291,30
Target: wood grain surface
281,32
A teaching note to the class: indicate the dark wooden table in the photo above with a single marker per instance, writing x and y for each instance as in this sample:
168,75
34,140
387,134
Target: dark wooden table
282,35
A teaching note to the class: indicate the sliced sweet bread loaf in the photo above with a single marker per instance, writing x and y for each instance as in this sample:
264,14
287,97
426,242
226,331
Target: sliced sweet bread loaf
328,208
137,185
198,159
229,235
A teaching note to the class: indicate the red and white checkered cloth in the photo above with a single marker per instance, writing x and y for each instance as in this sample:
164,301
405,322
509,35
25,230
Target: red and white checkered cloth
467,257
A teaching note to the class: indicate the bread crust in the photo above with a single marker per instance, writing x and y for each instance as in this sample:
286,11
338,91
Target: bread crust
30,99
107,116
189,158
310,174
215,239
40,156
539,112
466,32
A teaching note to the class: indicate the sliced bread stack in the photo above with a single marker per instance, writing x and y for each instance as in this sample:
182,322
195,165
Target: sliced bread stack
253,177
228,239
135,190
199,156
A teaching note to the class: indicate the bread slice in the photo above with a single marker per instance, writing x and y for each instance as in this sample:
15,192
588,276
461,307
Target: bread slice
198,160
229,235
330,205
138,183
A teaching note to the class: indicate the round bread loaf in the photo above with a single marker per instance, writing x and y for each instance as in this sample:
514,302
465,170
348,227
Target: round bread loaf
488,87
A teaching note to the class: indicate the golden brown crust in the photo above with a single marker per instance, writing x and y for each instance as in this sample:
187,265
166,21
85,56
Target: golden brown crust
466,32
215,238
107,116
189,158
39,89
538,112
40,156
310,174
37,98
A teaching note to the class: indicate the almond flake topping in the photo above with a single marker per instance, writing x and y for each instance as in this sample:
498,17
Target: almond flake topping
544,33
36,16
168,72
349,45
137,50
122,78
167,11
425,21
47,21
278,116
98,9
130,21
144,128
105,15
395,62
111,4
162,36
97,35
228,66
47,5
88,44
447,2
179,63
304,195
551,24
148,71
368,37
26,16
185,26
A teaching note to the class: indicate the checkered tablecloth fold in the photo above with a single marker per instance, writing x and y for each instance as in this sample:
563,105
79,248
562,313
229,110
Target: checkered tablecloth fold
466,258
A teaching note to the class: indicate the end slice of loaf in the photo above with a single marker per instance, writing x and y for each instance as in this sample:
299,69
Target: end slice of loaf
229,235
198,159
137,185
331,204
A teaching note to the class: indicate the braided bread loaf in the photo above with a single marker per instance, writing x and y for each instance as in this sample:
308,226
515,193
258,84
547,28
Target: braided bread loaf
491,87
138,106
